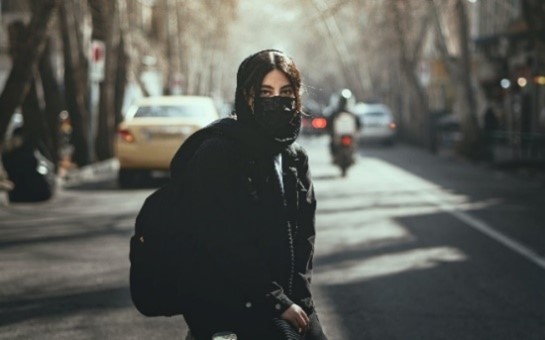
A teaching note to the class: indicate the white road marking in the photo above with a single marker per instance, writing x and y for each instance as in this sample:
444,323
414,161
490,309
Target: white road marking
486,229
455,210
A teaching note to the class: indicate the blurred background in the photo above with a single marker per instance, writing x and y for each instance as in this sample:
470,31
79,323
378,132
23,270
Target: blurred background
437,232
439,65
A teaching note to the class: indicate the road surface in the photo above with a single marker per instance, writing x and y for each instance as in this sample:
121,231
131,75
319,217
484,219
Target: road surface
409,246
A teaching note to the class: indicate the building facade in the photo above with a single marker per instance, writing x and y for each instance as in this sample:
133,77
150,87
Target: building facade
510,58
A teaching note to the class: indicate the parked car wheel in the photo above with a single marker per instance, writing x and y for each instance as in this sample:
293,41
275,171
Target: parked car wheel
130,178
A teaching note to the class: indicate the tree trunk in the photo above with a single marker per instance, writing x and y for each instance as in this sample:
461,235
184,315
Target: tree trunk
106,28
460,74
470,145
75,82
21,74
53,101
35,126
420,129
121,80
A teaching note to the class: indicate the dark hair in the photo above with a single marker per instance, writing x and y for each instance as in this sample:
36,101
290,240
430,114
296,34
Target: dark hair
253,70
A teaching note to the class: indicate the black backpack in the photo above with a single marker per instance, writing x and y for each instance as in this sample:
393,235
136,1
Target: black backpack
162,251
161,255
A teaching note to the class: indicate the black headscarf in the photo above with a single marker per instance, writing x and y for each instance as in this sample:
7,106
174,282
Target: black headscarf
253,69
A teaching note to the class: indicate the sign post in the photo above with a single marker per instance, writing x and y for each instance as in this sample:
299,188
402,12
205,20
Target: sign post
97,61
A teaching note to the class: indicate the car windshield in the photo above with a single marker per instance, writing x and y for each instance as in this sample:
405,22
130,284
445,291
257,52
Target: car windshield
176,111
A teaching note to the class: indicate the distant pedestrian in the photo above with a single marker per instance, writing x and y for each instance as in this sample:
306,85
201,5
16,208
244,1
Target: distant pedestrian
253,199
542,118
490,127
31,173
490,120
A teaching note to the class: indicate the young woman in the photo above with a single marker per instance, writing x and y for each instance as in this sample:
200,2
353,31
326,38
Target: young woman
254,206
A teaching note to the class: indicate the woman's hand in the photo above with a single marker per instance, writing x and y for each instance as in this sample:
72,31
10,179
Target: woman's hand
297,317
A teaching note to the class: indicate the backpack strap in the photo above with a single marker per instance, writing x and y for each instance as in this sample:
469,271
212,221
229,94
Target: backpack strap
294,159
250,171
186,151
294,169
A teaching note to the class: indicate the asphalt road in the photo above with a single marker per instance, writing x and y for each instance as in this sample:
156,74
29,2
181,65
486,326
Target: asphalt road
409,246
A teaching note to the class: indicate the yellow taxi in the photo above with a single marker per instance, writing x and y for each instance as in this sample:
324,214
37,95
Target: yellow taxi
152,131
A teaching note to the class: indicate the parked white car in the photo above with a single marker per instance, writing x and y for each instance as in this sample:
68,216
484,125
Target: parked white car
377,123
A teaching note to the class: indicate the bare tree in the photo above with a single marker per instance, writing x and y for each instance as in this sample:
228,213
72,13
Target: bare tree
32,107
534,15
106,28
460,74
338,38
471,139
53,101
72,18
20,78
139,45
410,35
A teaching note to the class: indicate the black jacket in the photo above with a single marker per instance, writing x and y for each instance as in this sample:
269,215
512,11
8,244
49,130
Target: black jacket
255,240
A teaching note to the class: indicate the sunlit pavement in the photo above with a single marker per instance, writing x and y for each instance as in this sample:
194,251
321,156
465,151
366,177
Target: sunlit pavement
409,246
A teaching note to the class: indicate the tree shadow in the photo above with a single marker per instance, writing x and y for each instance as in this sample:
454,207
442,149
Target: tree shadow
325,177
71,229
432,287
478,184
18,309
61,316
112,184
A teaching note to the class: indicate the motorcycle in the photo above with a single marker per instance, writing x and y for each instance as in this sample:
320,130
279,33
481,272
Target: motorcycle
343,129
343,154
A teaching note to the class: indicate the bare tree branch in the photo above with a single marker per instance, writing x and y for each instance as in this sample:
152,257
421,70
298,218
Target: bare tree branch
20,77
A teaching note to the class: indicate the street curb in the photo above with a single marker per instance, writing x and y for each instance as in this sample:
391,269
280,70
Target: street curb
104,170
4,201
5,187
96,172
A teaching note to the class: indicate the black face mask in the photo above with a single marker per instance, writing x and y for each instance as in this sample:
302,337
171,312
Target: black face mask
278,117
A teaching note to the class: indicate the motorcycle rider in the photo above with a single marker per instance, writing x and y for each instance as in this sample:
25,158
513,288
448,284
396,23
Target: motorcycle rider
342,121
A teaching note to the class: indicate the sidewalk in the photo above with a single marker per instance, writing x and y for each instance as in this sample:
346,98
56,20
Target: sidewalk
100,171
504,162
5,186
525,169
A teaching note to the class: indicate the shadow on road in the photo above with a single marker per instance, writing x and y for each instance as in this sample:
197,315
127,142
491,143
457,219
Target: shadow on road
68,230
426,287
478,184
111,184
325,177
394,263
14,310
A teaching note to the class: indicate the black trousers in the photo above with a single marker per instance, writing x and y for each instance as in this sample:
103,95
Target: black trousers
252,330
315,332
